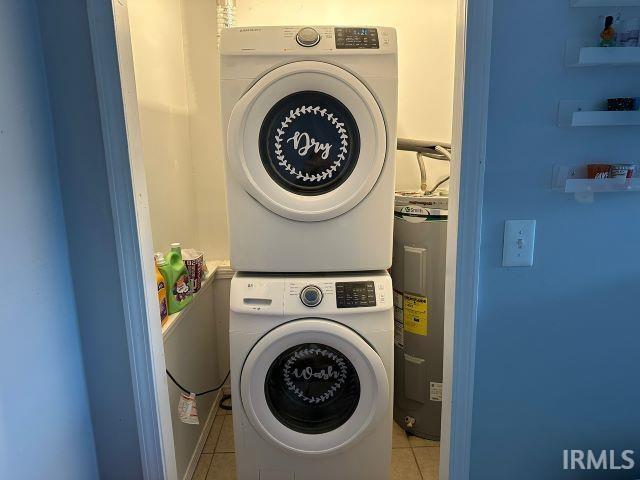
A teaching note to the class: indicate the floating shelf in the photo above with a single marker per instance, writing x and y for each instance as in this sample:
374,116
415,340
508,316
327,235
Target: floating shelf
579,55
572,179
605,3
594,114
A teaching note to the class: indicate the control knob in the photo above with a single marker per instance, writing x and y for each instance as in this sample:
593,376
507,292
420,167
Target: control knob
308,37
311,296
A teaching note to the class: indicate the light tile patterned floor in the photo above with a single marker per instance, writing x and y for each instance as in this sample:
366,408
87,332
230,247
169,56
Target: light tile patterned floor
412,458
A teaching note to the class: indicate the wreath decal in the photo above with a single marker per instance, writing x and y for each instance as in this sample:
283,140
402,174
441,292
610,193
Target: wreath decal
284,125
340,376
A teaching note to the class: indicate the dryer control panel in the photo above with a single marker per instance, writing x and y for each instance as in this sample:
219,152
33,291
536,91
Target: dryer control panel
359,37
309,40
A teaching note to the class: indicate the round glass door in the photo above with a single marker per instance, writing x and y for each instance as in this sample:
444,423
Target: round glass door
309,143
313,386
295,141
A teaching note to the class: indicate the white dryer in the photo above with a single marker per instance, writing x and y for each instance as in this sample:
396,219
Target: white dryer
309,123
312,376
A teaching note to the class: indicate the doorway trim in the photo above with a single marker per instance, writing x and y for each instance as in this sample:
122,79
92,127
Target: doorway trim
115,82
470,117
113,63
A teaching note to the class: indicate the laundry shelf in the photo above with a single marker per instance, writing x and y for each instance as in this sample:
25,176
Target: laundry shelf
171,322
605,3
578,54
593,114
572,179
582,185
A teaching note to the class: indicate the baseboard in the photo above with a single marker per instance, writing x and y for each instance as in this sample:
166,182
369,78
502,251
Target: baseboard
193,463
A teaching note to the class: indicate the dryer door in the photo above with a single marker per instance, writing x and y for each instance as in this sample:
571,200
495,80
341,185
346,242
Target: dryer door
308,141
313,386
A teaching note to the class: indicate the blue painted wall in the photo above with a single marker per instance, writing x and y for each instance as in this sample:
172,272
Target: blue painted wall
558,349
91,235
45,427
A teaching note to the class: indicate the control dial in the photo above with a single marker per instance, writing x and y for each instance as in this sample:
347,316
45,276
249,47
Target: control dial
308,37
311,296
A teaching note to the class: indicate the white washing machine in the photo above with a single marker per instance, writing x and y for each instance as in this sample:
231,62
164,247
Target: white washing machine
309,122
312,376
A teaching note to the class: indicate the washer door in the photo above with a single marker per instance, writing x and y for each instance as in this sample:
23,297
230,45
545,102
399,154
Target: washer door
313,386
308,141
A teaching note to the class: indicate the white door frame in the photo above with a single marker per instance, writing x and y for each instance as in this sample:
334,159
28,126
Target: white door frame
113,65
470,115
116,87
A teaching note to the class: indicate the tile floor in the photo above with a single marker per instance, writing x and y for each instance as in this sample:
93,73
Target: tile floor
412,458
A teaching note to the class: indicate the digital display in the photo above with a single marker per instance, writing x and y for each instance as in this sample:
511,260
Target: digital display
355,294
356,38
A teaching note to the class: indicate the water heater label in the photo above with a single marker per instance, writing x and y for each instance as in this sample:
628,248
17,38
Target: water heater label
435,391
398,327
415,314
397,299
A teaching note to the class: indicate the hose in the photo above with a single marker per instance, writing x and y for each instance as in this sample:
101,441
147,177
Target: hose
442,154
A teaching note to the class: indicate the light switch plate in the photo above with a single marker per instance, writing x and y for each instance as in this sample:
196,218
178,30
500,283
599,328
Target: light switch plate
519,242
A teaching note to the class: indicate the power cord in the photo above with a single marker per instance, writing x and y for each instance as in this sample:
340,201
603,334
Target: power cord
201,393
223,405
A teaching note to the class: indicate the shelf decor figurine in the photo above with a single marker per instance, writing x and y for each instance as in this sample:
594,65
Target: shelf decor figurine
609,35
627,104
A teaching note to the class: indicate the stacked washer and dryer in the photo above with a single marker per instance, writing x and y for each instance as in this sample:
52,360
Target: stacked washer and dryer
309,118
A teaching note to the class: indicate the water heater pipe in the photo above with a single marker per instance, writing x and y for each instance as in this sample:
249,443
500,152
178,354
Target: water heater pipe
226,15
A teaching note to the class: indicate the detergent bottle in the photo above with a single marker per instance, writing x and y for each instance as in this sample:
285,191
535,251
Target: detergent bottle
178,287
161,282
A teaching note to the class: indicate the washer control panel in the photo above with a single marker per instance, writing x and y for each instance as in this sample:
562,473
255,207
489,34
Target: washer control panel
356,37
311,296
355,294
318,295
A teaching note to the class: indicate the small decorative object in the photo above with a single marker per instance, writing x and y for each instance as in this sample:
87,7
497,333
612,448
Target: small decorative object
194,261
598,170
609,35
622,171
622,104
630,33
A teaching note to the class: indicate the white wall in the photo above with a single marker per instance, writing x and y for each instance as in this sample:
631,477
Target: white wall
161,81
177,74
45,423
203,67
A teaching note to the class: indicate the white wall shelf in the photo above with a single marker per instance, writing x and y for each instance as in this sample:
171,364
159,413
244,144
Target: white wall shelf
593,114
582,53
605,3
573,179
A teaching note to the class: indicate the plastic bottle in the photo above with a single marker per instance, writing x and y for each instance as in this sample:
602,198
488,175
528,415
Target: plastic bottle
175,272
162,285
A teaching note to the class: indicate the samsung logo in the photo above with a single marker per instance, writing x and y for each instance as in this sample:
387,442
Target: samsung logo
597,460
242,30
